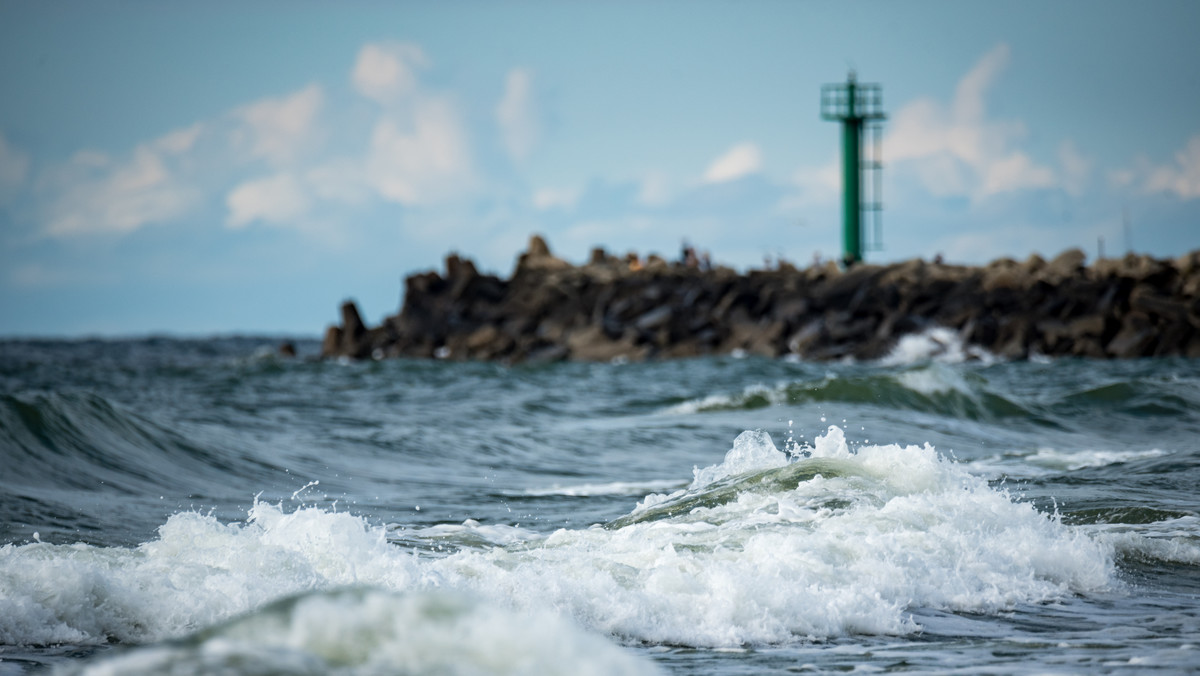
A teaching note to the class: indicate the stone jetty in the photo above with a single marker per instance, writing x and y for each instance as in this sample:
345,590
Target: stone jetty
625,308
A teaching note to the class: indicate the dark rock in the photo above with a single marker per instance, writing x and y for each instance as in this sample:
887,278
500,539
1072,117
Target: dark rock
482,338
1012,340
1147,300
619,308
348,340
592,344
1053,337
1098,327
537,257
547,354
1135,339
1066,265
655,318
1171,339
808,337
332,343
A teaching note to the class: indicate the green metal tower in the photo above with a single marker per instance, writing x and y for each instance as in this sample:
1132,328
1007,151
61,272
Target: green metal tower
859,107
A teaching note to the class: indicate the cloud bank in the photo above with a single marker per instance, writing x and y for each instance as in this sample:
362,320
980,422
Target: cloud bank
307,162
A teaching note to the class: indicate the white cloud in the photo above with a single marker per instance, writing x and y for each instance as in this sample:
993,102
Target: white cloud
387,72
281,130
1015,171
957,150
1076,169
280,199
1122,178
551,198
415,152
516,115
423,163
656,189
179,141
740,160
342,180
14,167
94,194
418,152
1182,178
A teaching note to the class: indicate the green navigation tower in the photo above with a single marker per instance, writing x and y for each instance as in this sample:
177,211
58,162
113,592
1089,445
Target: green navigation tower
859,107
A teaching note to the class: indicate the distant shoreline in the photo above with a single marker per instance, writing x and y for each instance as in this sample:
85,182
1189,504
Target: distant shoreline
624,308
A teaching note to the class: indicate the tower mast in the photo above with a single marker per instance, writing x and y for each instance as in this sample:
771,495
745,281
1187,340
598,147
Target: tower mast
857,106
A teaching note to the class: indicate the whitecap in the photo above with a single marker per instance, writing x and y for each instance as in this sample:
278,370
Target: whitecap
774,549
370,631
937,343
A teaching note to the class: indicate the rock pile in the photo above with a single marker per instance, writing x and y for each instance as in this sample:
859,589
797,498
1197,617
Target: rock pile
550,310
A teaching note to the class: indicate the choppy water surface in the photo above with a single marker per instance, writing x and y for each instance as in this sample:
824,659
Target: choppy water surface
198,506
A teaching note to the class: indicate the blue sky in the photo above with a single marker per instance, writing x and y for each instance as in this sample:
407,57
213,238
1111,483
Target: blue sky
227,167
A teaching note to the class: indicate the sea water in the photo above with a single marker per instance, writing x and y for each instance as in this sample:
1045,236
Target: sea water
205,506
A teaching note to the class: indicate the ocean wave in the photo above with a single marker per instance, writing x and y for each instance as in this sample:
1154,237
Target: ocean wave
1167,540
371,631
611,488
449,537
1043,462
1137,397
933,388
83,440
764,548
938,344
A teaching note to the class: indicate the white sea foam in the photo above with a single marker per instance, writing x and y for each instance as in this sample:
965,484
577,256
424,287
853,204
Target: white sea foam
1050,458
939,344
878,532
1049,461
751,452
897,528
197,572
367,631
927,378
773,395
1172,541
935,378
611,488
469,533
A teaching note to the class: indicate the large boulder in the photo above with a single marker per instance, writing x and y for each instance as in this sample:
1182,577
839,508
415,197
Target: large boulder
537,257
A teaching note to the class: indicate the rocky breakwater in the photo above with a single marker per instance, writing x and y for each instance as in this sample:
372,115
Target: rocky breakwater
550,310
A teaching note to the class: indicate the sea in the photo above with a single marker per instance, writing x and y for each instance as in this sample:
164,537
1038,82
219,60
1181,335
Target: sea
208,506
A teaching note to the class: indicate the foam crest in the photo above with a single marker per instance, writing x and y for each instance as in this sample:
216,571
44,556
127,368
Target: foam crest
752,396
366,631
761,549
1049,461
862,540
469,533
931,387
1175,541
1053,459
197,572
934,379
752,451
611,488
939,344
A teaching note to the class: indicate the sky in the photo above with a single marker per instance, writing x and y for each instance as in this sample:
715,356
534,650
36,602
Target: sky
244,167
